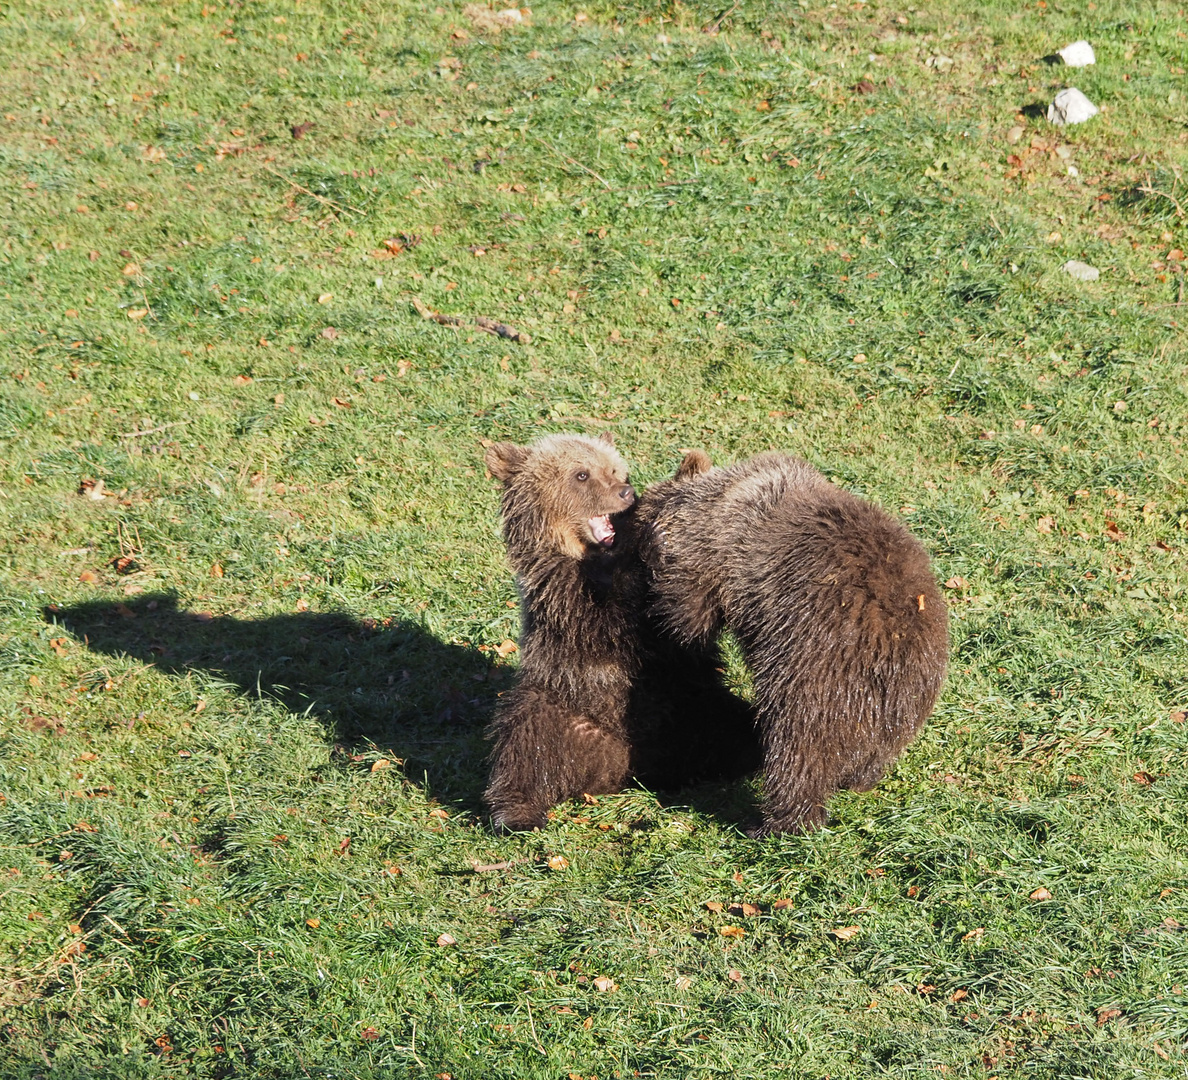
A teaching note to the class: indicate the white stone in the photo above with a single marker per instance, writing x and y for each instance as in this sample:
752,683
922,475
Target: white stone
1078,54
1071,107
1081,271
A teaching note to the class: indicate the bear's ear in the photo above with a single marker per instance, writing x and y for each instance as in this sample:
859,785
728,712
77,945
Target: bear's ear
607,437
694,463
505,459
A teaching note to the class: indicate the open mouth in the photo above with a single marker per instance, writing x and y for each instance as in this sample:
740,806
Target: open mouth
603,530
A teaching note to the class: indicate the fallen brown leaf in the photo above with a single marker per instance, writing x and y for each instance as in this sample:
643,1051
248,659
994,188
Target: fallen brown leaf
505,648
715,907
604,984
558,862
1041,894
734,975
445,940
731,931
380,763
844,933
241,380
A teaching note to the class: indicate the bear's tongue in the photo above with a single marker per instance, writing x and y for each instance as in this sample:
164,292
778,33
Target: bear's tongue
603,530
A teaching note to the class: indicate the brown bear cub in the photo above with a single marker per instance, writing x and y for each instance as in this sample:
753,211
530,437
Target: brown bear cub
833,601
599,697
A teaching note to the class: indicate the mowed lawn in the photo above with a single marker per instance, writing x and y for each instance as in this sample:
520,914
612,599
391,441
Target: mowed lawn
254,606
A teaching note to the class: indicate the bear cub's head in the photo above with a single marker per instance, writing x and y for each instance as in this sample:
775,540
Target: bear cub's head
566,492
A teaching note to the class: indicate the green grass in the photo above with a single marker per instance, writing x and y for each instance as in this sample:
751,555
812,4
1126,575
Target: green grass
715,240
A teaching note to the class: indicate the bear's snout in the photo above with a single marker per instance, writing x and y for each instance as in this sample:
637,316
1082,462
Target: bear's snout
627,494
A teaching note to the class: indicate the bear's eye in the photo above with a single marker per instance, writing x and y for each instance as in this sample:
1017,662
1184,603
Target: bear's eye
583,476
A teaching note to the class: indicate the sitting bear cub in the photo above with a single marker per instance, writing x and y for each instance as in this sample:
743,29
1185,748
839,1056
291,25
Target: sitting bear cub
600,696
833,601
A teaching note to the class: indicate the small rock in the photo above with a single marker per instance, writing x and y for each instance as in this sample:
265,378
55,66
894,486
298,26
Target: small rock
1078,54
1071,107
1081,271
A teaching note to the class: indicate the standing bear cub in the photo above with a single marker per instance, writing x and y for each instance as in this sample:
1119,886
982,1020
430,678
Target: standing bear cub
599,697
835,606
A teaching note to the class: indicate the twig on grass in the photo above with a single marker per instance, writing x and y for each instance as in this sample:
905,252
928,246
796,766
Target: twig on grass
1147,189
715,25
486,868
532,1025
134,434
488,325
571,161
413,1048
320,198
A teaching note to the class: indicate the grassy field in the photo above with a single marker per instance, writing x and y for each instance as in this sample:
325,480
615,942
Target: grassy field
253,601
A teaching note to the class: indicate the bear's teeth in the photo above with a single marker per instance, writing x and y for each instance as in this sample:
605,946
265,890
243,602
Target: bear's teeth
603,530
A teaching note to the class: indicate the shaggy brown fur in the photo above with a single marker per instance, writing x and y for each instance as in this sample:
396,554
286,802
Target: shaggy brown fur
599,698
835,605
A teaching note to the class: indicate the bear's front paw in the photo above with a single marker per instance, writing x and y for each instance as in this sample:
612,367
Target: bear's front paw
803,819
518,819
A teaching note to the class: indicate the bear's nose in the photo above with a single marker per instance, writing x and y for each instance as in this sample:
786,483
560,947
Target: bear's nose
627,494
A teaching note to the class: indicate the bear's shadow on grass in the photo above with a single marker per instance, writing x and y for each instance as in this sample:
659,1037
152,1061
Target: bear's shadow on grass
373,684
384,684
